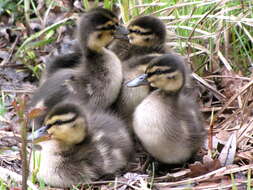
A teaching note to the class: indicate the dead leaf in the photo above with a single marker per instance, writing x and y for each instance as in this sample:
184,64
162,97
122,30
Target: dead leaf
15,188
36,112
223,136
198,169
230,83
227,154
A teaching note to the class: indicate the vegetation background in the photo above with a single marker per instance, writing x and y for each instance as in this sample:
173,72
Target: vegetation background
215,36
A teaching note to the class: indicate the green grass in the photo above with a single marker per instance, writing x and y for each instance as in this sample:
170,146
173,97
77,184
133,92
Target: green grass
2,107
3,185
195,25
249,180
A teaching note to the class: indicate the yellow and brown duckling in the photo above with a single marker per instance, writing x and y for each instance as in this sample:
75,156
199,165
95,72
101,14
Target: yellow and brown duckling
72,60
147,34
147,37
97,79
78,146
167,122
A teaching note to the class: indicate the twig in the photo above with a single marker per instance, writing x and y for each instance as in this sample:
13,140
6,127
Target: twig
225,76
11,53
109,181
18,91
219,172
213,186
5,174
3,65
204,83
210,109
224,61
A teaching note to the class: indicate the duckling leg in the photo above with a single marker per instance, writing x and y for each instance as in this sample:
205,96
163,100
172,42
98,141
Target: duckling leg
144,167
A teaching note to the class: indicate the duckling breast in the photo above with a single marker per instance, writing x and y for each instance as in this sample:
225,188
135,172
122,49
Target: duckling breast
129,98
114,75
160,131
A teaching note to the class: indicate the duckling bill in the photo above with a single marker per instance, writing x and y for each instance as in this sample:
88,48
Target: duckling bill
79,145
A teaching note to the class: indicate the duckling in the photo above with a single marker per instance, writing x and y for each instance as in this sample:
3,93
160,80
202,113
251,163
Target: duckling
97,80
167,122
72,60
129,98
147,36
78,146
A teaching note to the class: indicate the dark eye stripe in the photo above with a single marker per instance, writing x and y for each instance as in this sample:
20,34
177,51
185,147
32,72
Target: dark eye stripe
60,122
139,32
110,27
159,72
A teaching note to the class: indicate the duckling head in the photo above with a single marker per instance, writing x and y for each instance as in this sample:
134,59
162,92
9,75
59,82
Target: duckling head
65,123
97,29
165,72
147,31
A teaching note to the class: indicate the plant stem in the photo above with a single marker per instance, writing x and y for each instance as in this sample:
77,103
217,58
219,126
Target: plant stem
24,156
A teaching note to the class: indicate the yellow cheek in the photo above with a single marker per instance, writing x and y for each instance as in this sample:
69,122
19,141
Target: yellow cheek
98,40
153,84
134,39
68,134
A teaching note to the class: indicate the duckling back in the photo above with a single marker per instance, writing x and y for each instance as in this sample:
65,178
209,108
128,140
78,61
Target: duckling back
66,61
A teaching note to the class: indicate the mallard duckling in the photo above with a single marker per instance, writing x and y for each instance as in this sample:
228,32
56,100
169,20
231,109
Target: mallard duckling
167,122
72,60
78,146
129,98
147,36
97,80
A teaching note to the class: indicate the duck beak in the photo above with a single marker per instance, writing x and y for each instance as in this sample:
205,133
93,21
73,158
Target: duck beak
140,80
39,135
121,33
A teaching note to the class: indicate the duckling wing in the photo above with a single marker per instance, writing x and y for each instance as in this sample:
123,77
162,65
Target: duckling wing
54,90
66,61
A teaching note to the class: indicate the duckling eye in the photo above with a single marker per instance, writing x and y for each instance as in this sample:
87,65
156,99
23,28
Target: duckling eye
99,35
109,27
159,72
139,32
147,39
135,31
171,77
58,122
